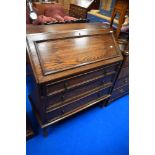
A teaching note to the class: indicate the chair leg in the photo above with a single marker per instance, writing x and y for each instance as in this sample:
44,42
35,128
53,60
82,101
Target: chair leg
112,17
121,20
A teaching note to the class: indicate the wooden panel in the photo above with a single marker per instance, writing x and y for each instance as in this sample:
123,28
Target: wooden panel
123,73
74,66
31,29
68,108
64,110
74,81
126,62
75,93
53,53
117,93
122,82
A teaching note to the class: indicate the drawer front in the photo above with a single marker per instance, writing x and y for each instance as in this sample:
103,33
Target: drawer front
85,101
54,114
74,93
81,103
117,93
123,73
60,86
121,82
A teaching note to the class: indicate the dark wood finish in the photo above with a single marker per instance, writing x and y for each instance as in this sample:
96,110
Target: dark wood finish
119,92
29,131
122,82
79,8
31,29
73,69
121,86
52,61
121,7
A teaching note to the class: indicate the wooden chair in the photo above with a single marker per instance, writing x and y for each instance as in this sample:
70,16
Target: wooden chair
121,7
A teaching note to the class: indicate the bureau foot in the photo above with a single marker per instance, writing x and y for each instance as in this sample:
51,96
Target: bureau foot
45,132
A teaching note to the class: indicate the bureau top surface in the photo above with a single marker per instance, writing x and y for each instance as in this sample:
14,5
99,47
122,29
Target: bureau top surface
32,29
54,55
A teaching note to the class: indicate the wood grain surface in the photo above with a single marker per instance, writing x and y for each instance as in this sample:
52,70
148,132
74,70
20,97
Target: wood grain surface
57,52
74,67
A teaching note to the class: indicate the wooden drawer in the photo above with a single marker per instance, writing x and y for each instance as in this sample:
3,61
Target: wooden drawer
121,82
72,82
123,73
74,93
119,92
90,99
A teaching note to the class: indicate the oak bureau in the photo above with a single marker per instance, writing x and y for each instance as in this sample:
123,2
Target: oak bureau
74,67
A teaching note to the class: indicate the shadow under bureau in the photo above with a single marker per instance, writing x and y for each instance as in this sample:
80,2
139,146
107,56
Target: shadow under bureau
72,70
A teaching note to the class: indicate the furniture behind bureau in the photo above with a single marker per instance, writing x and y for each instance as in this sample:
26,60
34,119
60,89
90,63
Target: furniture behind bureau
122,8
103,13
121,86
79,8
74,67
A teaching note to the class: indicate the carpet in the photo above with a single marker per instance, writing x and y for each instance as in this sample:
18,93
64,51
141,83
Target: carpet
95,131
